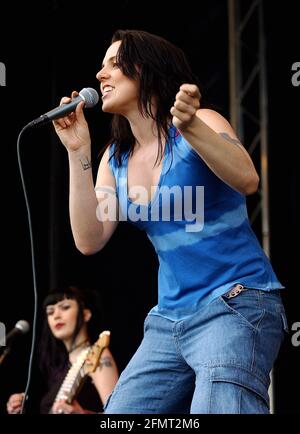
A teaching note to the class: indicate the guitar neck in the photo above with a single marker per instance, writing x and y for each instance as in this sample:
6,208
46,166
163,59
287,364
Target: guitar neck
73,380
79,370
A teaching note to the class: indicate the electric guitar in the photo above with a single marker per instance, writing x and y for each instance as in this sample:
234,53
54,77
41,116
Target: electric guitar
86,363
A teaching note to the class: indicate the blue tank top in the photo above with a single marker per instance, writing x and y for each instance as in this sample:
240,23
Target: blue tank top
200,230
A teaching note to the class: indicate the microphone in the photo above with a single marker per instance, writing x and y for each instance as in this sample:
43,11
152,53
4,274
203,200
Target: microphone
88,95
19,329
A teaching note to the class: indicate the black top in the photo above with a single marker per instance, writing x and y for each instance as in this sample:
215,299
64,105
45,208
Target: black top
88,396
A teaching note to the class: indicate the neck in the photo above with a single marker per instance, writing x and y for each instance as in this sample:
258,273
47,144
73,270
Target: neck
81,340
80,345
143,129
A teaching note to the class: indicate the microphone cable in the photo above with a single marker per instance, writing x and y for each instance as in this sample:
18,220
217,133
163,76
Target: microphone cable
91,97
35,304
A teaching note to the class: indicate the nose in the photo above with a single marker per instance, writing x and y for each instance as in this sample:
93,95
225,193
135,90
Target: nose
56,313
102,74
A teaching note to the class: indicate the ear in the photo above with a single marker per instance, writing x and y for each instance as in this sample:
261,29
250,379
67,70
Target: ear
87,314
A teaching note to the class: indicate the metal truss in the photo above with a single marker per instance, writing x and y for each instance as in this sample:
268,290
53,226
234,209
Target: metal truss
249,105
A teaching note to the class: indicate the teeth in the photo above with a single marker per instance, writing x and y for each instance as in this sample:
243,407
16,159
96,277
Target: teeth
107,89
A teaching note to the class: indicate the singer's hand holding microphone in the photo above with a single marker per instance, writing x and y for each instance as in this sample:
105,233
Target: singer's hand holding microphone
68,119
71,127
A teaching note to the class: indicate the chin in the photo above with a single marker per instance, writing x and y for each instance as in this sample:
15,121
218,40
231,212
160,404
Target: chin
107,109
59,335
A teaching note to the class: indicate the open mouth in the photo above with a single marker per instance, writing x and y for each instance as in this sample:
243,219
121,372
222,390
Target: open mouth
106,90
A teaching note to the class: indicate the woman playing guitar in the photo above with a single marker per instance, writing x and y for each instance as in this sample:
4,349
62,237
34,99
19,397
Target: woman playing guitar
65,350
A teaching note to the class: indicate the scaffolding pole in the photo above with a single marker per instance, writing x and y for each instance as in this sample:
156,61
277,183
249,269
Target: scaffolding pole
249,103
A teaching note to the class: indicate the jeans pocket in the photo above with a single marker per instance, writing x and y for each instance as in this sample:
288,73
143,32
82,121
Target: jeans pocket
235,390
246,308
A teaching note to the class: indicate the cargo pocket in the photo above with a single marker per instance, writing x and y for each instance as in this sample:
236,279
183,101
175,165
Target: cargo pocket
237,391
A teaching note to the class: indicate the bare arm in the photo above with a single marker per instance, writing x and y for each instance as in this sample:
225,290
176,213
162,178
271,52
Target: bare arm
106,376
214,140
104,379
89,231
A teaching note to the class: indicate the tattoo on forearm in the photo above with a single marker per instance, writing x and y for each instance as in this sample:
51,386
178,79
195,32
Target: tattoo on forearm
105,361
86,164
227,137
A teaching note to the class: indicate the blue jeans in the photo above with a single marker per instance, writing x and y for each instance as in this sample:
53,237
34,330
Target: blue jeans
216,361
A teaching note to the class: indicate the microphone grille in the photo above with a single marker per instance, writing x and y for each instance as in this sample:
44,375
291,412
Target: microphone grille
90,96
23,326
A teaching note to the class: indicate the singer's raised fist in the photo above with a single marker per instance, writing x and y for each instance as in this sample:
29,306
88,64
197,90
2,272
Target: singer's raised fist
186,104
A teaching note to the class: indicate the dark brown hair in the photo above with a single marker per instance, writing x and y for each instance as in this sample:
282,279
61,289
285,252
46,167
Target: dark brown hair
160,68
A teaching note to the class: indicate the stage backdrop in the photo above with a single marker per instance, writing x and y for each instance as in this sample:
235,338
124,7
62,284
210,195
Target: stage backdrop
59,48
